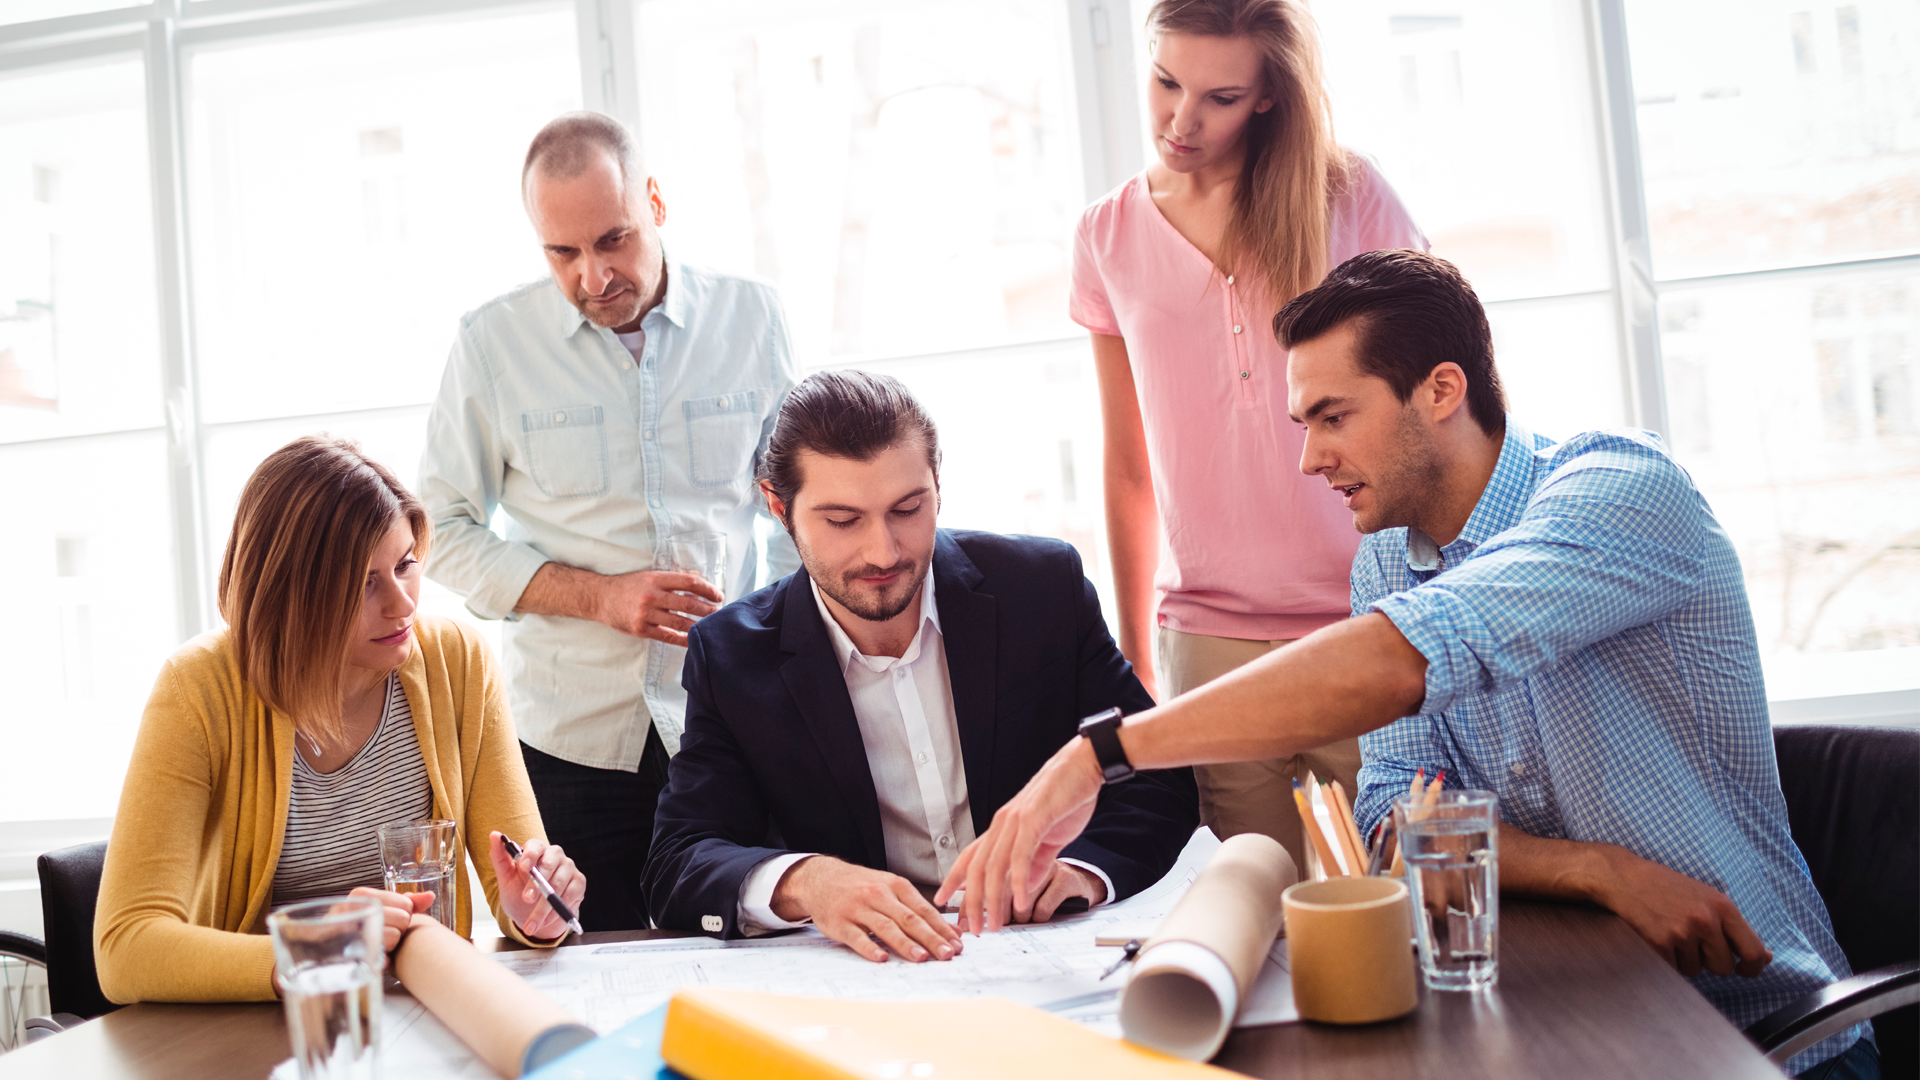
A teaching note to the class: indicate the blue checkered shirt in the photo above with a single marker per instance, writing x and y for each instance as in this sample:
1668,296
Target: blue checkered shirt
1591,660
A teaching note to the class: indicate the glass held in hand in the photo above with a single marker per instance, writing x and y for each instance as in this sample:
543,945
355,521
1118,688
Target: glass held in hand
702,553
421,856
1451,843
328,957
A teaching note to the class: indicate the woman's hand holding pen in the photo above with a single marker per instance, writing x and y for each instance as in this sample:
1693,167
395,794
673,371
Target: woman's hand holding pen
399,910
521,898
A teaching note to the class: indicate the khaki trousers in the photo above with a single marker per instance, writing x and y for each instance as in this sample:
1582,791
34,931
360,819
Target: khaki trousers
1250,796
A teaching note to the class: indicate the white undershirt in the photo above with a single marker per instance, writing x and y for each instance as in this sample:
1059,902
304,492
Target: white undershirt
904,707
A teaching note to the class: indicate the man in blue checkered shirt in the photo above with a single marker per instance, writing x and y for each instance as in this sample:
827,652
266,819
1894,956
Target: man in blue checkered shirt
1563,624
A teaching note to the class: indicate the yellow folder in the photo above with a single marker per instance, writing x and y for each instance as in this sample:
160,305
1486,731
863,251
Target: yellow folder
716,1034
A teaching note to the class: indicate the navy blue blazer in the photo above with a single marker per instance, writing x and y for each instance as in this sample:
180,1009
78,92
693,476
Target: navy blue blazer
772,760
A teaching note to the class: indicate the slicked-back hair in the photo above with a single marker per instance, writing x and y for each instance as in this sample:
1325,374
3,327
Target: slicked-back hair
1412,312
844,414
294,573
572,142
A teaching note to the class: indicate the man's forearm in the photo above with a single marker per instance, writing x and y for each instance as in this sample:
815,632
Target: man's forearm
1558,869
1336,683
562,590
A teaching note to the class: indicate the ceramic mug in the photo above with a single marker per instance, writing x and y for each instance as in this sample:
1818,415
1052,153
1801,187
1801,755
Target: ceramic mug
1349,947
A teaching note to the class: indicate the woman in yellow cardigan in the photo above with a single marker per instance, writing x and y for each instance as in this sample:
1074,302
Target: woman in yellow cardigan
271,750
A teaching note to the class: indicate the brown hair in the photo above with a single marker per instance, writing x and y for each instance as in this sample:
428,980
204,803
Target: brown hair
291,581
844,414
1415,312
1279,228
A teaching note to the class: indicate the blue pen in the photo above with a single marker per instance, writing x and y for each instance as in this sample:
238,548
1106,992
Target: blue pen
559,906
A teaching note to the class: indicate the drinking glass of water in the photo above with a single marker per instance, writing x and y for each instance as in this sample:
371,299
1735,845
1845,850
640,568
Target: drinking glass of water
1451,844
703,553
420,856
329,960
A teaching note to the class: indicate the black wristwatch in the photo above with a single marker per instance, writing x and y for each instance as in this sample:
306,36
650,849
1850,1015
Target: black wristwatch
1103,731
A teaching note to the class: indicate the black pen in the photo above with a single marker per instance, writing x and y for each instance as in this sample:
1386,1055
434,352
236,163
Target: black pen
559,906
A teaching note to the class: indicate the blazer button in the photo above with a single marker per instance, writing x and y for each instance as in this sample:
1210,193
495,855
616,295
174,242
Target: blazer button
712,924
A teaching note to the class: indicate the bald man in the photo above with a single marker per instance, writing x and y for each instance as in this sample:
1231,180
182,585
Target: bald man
617,405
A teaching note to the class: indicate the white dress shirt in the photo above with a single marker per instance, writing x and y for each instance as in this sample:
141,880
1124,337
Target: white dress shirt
904,707
598,450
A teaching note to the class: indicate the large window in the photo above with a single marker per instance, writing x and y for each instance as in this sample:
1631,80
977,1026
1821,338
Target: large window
1782,162
270,227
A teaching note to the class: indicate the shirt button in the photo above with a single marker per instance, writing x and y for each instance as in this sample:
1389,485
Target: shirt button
625,364
1519,768
649,434
1243,374
946,841
1229,279
559,418
1236,328
654,502
921,757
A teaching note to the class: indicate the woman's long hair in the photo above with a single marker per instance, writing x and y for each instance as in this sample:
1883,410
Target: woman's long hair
1279,227
295,570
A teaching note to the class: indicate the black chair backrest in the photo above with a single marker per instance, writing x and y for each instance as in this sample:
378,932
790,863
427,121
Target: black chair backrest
69,885
1853,801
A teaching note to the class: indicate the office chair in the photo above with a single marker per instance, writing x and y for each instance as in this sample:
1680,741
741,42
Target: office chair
69,885
1853,806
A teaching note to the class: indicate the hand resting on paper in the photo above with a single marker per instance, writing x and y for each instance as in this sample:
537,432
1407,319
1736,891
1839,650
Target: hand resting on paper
1691,925
1061,884
853,905
521,899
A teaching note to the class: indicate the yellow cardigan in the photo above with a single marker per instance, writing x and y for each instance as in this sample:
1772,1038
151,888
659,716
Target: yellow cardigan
189,871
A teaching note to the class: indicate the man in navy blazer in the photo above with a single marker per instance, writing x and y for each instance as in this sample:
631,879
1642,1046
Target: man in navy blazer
853,726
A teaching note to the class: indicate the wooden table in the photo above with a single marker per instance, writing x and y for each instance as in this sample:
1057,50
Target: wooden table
1579,996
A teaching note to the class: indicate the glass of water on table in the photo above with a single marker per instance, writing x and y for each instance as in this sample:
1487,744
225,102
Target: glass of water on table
420,856
1451,845
328,956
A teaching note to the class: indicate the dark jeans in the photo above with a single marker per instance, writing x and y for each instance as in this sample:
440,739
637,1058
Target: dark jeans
1860,1062
604,820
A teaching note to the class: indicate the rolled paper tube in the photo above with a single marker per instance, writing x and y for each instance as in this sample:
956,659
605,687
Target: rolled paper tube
1200,964
505,1022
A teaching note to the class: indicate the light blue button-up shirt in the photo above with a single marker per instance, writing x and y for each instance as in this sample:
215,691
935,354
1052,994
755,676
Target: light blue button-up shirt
596,457
1591,660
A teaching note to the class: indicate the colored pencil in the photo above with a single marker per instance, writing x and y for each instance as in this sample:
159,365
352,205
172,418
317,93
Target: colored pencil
1328,866
1342,812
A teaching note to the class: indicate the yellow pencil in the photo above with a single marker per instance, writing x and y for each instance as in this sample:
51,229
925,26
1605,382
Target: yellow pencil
1349,832
1329,867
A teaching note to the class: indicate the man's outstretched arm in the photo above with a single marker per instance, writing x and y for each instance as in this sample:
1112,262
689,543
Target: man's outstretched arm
1336,683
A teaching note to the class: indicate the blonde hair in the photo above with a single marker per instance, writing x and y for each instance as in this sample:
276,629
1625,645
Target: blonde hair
1281,203
291,580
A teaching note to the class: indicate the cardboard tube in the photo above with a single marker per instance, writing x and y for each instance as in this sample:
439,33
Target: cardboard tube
505,1022
1200,964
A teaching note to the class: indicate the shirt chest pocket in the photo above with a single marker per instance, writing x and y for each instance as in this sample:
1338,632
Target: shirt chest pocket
722,433
567,450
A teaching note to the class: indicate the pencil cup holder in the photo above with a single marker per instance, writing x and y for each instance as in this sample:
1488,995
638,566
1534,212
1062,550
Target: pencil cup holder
1348,950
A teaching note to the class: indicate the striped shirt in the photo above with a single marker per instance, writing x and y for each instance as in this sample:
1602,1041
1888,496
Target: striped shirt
1591,660
333,819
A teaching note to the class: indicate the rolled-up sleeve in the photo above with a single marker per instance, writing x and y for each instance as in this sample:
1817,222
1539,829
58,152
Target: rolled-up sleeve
461,475
1614,538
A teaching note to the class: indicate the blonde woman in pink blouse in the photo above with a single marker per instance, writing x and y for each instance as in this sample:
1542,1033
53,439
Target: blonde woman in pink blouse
1177,274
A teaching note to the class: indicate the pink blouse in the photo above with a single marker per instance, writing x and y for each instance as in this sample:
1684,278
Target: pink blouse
1253,549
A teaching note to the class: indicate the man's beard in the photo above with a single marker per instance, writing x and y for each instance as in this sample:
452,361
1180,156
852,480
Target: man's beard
864,602
1409,482
612,317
